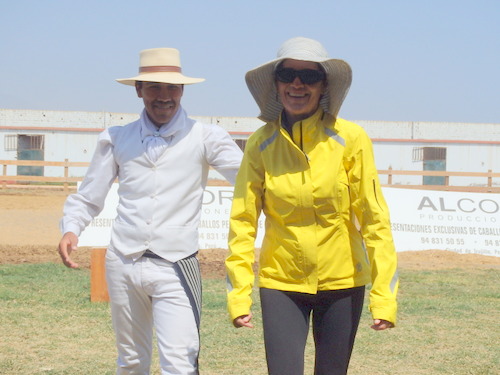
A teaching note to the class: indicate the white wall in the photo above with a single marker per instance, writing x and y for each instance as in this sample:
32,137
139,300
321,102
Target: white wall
73,135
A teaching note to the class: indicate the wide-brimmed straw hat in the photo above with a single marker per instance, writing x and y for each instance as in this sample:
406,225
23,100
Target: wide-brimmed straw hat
261,81
160,65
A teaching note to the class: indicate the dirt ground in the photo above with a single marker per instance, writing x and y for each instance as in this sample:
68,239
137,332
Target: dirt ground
29,233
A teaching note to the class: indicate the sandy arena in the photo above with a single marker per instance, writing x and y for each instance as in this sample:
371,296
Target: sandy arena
29,233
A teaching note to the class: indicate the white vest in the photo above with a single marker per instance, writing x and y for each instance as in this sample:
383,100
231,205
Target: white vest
160,202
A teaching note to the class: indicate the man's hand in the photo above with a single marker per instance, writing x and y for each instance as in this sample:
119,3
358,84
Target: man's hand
68,244
243,321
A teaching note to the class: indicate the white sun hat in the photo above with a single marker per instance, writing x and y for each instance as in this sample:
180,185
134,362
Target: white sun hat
261,80
160,65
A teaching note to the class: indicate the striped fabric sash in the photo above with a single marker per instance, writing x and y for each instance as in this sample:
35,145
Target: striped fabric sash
189,273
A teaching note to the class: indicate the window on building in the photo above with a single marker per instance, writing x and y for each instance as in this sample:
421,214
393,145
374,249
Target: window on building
30,147
429,153
10,142
433,159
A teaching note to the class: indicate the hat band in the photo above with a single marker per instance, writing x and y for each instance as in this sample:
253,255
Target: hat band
155,69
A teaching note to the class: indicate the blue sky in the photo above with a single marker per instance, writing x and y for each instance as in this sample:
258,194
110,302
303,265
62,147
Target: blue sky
426,60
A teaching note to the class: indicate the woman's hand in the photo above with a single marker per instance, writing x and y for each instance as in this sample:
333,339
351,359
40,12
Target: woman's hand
380,324
243,321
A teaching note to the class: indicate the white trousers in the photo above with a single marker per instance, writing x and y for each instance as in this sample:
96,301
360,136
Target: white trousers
144,293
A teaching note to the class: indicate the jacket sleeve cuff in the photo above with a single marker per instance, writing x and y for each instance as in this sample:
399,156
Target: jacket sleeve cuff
386,311
239,307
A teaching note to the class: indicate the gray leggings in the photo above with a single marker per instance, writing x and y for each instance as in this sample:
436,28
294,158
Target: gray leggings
335,319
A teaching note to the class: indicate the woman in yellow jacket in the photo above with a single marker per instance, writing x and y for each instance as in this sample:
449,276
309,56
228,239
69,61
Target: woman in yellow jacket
327,232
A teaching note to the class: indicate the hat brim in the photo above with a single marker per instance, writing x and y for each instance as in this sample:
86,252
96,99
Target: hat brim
260,82
162,77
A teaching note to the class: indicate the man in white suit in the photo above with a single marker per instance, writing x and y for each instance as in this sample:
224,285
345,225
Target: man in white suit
161,162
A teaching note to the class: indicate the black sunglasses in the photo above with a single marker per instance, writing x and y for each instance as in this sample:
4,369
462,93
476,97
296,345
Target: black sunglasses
306,76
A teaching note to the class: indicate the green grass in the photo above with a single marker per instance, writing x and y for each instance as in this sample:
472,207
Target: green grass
448,324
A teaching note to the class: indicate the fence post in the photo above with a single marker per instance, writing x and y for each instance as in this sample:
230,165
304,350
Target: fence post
66,174
98,285
389,176
4,181
490,178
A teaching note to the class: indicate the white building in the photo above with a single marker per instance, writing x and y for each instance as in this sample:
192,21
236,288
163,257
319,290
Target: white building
408,146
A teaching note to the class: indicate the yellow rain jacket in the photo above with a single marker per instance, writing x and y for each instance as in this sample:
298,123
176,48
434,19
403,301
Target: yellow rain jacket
327,224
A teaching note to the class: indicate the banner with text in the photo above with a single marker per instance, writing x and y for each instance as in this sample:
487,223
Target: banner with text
213,229
444,220
421,220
